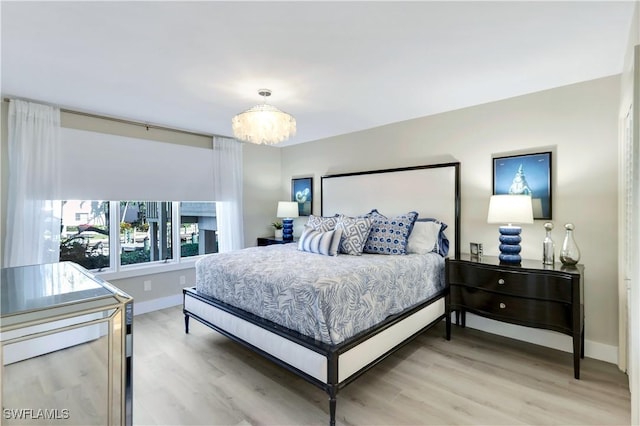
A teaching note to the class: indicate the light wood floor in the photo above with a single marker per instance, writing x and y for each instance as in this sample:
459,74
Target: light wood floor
476,378
203,378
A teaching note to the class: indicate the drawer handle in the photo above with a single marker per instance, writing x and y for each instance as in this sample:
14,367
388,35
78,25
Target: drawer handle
502,306
501,281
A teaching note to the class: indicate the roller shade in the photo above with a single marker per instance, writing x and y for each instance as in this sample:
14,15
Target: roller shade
100,166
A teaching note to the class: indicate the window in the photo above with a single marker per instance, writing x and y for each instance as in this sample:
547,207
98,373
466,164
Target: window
198,228
137,233
145,232
149,232
84,236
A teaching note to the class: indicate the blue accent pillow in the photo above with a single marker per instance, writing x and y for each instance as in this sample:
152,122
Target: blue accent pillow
389,235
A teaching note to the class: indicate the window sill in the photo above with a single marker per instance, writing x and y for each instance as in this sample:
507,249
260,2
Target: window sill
137,271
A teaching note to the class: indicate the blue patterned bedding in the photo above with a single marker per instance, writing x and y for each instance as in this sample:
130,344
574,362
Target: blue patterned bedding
329,298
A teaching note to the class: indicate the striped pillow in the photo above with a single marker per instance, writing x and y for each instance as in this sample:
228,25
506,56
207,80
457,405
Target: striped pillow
320,242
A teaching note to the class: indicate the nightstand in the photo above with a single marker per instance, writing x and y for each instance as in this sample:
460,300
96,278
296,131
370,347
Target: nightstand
267,241
530,294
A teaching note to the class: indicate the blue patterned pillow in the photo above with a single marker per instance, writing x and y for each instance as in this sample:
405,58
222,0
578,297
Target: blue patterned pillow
320,242
355,231
321,223
389,235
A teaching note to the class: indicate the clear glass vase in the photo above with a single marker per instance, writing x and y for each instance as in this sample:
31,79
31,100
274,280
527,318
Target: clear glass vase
548,247
570,253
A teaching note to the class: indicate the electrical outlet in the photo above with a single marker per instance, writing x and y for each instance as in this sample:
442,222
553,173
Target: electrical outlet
183,280
147,285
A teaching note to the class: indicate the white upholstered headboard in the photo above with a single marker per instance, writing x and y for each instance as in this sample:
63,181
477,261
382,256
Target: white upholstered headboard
431,190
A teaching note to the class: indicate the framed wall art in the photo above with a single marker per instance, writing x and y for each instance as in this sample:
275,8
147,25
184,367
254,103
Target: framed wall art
302,193
526,174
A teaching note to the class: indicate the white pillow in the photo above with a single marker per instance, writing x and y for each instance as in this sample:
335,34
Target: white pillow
424,237
326,243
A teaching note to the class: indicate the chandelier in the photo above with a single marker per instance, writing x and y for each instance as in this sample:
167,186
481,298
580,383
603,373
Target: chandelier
263,124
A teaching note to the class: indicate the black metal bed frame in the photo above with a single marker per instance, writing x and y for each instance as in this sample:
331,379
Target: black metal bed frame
331,352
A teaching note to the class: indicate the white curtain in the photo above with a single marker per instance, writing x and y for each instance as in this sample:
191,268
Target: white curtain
33,222
227,178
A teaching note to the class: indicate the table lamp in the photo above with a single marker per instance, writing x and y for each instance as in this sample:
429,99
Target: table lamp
510,210
287,210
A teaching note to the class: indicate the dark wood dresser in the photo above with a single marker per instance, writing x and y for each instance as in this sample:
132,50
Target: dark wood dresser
530,294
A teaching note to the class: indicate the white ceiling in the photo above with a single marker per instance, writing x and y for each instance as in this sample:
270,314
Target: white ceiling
338,67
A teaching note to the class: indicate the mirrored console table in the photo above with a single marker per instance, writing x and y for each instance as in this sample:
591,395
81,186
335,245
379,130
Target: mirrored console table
66,347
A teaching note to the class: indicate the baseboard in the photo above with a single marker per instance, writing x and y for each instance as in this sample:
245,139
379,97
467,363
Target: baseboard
550,339
140,308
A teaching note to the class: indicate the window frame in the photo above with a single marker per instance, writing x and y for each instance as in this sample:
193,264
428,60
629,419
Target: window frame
118,271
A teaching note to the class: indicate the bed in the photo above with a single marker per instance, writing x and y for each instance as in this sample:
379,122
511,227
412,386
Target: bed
298,324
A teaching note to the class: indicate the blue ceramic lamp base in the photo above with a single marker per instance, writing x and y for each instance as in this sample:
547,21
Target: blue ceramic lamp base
287,229
510,245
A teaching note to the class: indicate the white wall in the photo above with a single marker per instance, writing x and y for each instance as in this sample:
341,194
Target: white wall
578,123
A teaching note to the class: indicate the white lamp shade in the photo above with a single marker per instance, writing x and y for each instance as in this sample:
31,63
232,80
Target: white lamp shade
537,207
263,124
511,209
287,209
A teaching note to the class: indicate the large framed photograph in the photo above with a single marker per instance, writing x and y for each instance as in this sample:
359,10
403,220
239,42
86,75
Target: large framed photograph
527,174
302,193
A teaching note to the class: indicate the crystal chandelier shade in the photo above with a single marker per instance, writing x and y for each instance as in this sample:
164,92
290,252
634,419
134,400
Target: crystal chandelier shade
263,124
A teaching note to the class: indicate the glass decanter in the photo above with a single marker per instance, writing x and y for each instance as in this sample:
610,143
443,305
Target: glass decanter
570,253
548,247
